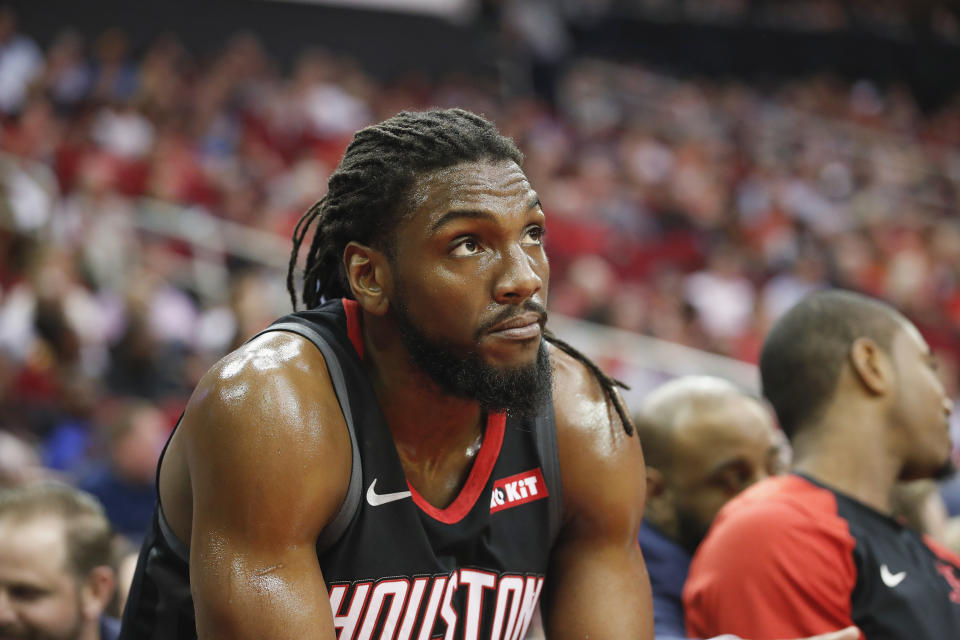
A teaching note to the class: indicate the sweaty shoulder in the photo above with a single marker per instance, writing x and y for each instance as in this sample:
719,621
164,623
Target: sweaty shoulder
263,419
593,443
782,543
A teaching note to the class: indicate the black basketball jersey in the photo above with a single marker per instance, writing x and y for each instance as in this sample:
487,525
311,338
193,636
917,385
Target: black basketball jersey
907,585
793,557
396,566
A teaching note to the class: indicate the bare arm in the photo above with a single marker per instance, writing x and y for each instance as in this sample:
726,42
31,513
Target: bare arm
269,462
597,585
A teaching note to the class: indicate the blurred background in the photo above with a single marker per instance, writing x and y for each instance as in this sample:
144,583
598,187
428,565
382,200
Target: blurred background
703,164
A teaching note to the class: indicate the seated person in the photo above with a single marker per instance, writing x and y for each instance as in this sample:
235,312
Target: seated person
855,388
55,574
704,441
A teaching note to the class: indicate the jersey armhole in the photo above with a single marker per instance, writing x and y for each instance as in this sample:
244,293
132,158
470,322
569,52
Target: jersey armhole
546,440
335,528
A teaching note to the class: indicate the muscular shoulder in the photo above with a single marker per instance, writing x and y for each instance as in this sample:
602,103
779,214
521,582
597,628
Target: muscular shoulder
279,376
601,465
266,419
578,398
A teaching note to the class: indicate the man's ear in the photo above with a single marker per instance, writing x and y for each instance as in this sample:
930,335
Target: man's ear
656,483
871,366
370,277
659,507
97,592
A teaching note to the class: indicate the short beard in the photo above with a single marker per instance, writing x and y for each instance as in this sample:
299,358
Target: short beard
945,471
520,391
690,531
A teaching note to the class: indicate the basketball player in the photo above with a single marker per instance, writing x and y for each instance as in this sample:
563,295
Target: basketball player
855,388
387,464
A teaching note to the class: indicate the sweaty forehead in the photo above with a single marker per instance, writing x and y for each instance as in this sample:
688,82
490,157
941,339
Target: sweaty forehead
41,540
480,185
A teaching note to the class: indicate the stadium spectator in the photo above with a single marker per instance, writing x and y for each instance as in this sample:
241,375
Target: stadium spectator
125,484
704,441
20,62
56,578
855,388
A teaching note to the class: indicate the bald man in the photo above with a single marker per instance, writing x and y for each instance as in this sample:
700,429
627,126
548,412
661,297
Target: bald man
704,441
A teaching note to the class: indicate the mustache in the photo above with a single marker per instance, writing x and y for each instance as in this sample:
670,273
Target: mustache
512,312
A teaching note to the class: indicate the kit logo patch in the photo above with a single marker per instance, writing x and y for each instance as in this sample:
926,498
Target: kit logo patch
517,489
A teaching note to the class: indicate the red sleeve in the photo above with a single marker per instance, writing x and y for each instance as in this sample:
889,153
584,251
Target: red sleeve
777,563
942,552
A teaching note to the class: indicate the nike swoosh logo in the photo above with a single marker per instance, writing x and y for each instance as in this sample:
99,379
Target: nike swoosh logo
376,499
891,579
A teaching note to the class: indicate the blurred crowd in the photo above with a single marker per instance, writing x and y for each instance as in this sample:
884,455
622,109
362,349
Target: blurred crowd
691,210
890,18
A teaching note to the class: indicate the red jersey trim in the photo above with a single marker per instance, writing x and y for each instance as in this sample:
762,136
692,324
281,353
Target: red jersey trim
476,481
942,552
354,331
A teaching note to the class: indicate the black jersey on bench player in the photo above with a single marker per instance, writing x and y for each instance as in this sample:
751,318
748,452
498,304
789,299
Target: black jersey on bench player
394,565
791,555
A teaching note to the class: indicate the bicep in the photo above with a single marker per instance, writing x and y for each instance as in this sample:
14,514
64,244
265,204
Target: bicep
267,474
598,589
241,591
597,585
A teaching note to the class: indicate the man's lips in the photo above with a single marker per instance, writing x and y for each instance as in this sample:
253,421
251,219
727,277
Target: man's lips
521,327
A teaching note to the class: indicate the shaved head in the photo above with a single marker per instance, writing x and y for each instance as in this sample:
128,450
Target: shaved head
704,440
806,349
668,404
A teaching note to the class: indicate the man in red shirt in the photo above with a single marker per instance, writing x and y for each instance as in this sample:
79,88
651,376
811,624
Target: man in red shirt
855,388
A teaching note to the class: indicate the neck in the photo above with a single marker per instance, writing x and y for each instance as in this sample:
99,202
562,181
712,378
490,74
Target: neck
427,424
847,450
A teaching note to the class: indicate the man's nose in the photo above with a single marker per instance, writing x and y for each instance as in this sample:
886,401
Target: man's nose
518,279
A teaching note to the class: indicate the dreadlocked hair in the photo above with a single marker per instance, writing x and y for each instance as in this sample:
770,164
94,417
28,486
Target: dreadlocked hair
368,195
608,383
369,192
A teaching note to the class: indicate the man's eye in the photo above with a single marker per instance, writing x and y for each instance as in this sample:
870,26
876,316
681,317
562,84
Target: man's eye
26,593
534,235
466,247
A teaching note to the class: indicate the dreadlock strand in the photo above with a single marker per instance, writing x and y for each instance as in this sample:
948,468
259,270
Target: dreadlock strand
609,384
299,233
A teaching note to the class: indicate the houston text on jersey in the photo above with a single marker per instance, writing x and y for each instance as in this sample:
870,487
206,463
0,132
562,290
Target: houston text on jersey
422,608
